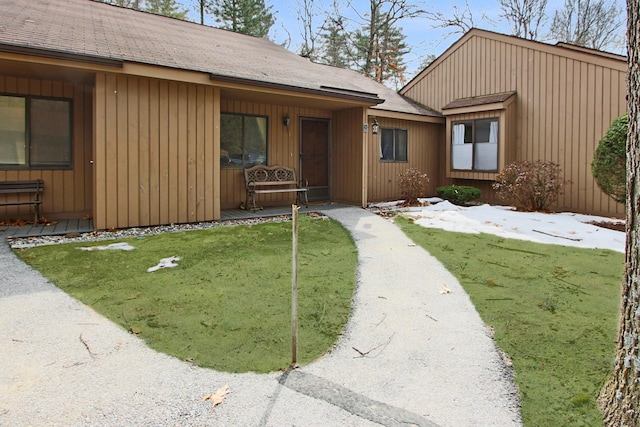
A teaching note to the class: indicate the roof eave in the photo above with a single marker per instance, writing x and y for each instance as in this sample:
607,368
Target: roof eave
56,54
360,97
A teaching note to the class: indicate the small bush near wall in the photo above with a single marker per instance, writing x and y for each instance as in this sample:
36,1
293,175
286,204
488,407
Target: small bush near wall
610,160
413,184
531,186
458,194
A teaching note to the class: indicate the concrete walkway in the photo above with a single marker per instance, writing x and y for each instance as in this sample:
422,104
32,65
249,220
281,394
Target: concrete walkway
411,355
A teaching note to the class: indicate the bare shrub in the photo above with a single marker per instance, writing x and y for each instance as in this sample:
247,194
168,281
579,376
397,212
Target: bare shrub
413,184
531,186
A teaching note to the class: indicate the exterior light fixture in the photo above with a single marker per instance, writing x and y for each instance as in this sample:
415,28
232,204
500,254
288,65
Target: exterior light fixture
375,127
286,121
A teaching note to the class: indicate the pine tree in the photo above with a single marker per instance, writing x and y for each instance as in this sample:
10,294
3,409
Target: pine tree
334,43
131,4
169,8
166,7
381,48
250,17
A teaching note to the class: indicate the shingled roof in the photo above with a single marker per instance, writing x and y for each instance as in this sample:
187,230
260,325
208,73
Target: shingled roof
479,100
92,31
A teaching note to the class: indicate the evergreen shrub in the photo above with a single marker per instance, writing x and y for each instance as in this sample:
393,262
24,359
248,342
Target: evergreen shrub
610,161
458,194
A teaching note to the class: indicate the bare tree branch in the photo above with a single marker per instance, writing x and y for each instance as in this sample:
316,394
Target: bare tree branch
460,21
525,17
590,23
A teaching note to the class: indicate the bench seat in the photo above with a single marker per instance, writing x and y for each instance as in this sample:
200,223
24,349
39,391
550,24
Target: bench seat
262,179
34,187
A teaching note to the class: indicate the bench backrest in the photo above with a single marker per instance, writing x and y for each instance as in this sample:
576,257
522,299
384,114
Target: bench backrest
261,174
32,186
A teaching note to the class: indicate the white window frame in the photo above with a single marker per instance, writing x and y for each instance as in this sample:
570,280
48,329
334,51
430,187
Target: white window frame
470,154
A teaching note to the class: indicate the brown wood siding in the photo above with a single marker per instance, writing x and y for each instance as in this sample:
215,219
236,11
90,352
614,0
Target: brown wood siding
348,157
566,101
424,143
67,193
155,152
282,147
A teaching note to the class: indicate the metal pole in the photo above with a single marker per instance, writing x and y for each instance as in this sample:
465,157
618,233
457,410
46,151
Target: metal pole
294,286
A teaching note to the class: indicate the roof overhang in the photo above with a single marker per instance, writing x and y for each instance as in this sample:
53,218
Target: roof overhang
324,91
478,104
375,112
59,55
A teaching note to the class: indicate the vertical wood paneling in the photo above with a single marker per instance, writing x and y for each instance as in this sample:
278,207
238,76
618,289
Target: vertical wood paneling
192,172
120,147
566,101
154,170
173,161
156,142
164,151
132,151
423,154
347,163
65,194
212,153
199,164
99,149
144,152
181,144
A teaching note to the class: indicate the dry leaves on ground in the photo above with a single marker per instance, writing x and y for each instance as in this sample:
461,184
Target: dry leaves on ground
218,397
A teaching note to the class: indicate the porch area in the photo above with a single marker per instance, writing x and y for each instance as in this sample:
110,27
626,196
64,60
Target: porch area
63,227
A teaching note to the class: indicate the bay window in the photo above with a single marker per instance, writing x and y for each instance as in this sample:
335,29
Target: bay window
474,145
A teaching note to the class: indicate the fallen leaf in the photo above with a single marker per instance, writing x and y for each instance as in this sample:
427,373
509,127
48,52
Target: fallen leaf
445,290
218,397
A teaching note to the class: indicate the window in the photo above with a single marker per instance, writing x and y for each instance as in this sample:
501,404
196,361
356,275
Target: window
35,133
243,140
393,144
474,145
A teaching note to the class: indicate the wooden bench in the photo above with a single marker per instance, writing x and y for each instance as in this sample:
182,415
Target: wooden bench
34,187
262,179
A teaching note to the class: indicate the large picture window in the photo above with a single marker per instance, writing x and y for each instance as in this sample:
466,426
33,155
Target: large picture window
474,145
35,133
393,144
243,140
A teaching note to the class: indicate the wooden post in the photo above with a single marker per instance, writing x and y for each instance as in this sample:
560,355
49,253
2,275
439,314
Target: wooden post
294,286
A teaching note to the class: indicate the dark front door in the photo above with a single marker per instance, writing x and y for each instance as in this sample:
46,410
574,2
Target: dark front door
314,157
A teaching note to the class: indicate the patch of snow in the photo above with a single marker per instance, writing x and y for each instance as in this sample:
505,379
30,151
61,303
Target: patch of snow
568,229
165,263
122,246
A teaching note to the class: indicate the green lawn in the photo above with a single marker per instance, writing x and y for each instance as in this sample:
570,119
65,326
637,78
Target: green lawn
554,310
228,303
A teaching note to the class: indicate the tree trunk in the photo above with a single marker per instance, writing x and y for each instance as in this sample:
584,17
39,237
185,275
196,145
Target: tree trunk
373,35
620,398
